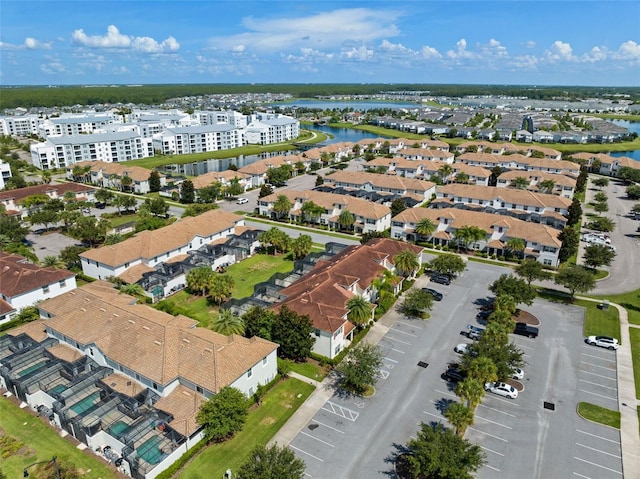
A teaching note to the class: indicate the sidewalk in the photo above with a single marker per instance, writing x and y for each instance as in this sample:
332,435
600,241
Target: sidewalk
627,402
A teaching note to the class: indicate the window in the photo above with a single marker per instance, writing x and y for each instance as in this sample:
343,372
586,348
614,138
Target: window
250,372
265,360
199,389
45,289
547,262
62,283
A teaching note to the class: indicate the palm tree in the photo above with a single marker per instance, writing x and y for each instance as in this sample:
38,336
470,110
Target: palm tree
52,262
346,219
133,289
359,310
445,171
311,211
198,279
425,227
483,369
547,186
505,302
126,182
470,390
282,206
516,245
467,235
407,262
519,183
460,417
220,288
228,323
462,178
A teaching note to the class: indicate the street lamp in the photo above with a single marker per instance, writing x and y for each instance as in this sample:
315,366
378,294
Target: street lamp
25,473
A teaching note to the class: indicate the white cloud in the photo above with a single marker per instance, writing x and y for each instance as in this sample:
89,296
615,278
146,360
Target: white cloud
596,54
52,68
361,53
629,50
560,51
116,40
29,44
530,44
430,53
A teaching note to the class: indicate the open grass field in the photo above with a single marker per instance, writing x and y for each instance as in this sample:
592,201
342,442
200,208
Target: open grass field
194,306
599,414
262,424
254,270
41,443
598,321
629,301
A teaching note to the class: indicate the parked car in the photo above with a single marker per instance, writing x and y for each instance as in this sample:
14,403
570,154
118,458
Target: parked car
100,205
437,296
502,389
473,332
441,279
242,201
525,329
453,374
461,348
86,210
603,341
517,373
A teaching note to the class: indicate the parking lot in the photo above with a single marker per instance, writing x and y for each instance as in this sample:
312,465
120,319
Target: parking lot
539,432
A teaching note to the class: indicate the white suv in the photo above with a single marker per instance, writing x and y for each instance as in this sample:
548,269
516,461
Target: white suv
242,201
603,341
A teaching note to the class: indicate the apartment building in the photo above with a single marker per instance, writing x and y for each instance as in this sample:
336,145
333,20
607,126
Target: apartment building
266,129
5,174
198,139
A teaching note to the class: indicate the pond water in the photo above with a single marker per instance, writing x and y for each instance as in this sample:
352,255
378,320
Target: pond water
633,126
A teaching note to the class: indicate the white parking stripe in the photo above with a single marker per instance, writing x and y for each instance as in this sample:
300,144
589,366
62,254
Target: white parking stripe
508,401
598,465
397,350
493,422
434,415
599,437
599,395
491,450
580,475
396,340
408,324
393,330
330,427
389,359
446,394
305,452
319,440
598,384
598,450
598,366
497,410
491,467
487,434
600,375
597,357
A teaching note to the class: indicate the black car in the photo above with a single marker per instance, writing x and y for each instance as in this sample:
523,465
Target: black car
525,329
454,374
100,205
437,296
441,279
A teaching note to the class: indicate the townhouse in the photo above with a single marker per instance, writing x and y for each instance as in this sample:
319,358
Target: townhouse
473,175
541,241
12,199
394,185
563,185
518,161
486,147
426,154
109,175
24,284
607,164
150,248
224,178
527,205
323,292
257,172
125,379
369,216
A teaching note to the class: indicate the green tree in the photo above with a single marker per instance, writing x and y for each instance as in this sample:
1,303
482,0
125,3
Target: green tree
187,192
71,256
570,240
12,228
209,194
220,288
397,207
600,197
438,452
301,246
311,211
43,217
126,202
406,263
346,219
104,195
445,172
517,288
467,235
265,190
292,332
199,279
531,270
519,183
601,223
359,310
259,322
576,279
459,416
223,414
481,368
133,289
470,390
125,183
425,228
515,246
416,302
547,186
574,212
89,230
601,207
448,263
228,323
270,462
154,182
282,206
235,188
462,178
633,192
52,262
601,182
360,369
597,255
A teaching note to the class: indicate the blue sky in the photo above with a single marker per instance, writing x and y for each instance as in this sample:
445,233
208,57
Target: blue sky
578,42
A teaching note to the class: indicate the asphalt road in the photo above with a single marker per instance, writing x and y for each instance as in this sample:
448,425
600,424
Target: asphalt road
517,435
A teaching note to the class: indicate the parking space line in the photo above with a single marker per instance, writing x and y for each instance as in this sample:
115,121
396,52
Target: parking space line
317,439
408,324
491,467
434,415
597,357
598,384
525,347
393,330
446,394
598,465
305,452
341,411
598,450
493,422
508,401
307,474
599,437
598,366
490,435
397,340
599,395
389,359
491,450
330,427
580,475
397,350
600,375
497,410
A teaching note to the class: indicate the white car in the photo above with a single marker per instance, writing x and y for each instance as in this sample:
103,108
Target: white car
461,348
603,341
502,389
242,201
517,373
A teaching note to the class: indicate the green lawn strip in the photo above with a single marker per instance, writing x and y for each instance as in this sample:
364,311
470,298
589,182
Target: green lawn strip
193,306
303,228
119,220
629,301
634,334
599,321
43,443
256,269
599,414
262,424
308,369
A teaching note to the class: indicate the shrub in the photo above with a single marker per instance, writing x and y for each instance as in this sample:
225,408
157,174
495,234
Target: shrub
500,258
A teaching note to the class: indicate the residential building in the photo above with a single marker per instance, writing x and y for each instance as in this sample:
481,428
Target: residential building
541,241
109,175
24,284
222,177
5,174
12,199
517,161
368,216
266,129
426,154
563,185
608,165
475,175
150,248
126,379
198,139
19,125
76,124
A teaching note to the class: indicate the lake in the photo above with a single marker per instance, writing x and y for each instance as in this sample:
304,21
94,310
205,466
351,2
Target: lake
633,126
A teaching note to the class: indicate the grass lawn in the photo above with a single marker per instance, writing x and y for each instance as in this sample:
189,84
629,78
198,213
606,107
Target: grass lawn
310,369
119,220
629,301
598,321
42,443
195,307
599,414
635,354
254,270
262,424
